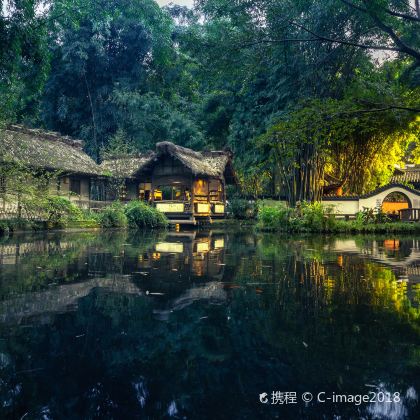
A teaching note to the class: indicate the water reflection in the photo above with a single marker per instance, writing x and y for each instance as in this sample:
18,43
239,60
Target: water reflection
197,324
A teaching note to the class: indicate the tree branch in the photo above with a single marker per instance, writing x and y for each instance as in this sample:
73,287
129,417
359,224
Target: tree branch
275,41
396,39
381,109
345,42
389,11
403,15
402,46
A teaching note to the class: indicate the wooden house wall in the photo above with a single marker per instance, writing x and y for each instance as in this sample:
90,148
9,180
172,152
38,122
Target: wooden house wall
65,191
132,188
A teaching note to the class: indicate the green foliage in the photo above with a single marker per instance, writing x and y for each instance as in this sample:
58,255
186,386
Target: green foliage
142,215
24,59
146,119
115,69
354,143
315,217
12,225
241,208
60,211
27,188
305,217
372,216
85,223
275,217
124,74
113,216
320,105
354,226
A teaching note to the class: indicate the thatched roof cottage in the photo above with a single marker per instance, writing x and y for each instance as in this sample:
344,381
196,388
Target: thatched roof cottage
185,184
48,151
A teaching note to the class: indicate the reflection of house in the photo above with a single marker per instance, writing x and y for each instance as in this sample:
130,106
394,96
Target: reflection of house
402,255
178,270
201,253
185,184
59,299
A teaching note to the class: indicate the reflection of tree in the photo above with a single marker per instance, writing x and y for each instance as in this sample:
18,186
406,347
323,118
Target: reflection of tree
290,315
36,262
329,319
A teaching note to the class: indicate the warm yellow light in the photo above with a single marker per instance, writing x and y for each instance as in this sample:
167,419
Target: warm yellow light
219,208
202,247
219,243
170,207
175,247
200,187
203,208
158,194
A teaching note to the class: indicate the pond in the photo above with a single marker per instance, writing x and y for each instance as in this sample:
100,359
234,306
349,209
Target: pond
209,324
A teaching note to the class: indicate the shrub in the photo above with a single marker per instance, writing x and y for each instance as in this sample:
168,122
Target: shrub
4,227
307,217
240,208
275,218
140,214
113,216
60,211
316,217
373,216
11,225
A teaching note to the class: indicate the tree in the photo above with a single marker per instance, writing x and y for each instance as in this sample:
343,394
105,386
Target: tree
90,61
348,138
24,60
262,57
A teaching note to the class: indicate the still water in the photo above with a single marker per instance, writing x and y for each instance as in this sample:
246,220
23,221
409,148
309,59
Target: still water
209,325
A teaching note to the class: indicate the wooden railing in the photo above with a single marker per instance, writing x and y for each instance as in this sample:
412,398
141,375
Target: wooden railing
186,204
409,215
92,204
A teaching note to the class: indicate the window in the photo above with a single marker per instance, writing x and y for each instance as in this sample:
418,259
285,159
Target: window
144,191
75,186
98,189
216,191
171,193
201,187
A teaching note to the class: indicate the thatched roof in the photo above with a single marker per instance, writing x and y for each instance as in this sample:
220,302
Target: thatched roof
216,164
410,175
126,166
48,150
44,149
200,163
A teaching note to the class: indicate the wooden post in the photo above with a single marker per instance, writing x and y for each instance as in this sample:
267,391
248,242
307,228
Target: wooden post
192,194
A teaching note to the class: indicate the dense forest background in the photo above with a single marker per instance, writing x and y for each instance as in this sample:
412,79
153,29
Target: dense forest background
303,91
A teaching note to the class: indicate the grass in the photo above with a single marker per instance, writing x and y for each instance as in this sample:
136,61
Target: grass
316,218
352,226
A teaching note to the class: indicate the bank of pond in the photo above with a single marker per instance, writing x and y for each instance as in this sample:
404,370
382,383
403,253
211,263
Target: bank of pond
60,213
